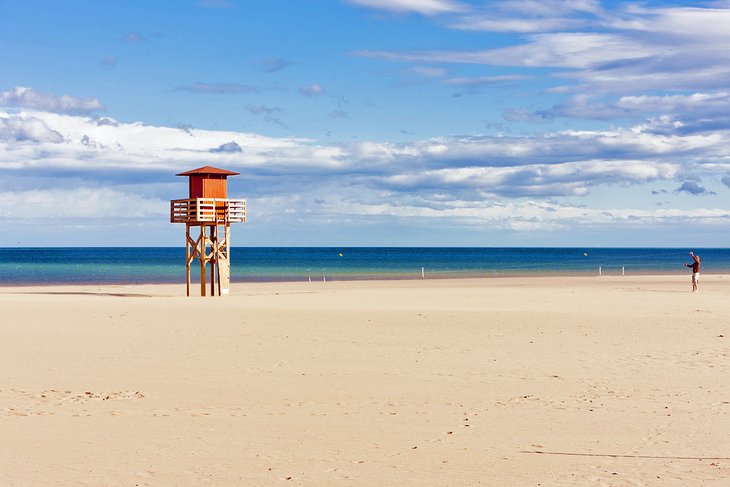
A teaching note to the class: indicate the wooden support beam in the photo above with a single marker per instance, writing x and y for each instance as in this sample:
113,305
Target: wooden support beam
212,260
187,260
217,260
227,261
212,246
202,257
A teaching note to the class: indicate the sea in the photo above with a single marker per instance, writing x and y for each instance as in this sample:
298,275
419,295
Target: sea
150,265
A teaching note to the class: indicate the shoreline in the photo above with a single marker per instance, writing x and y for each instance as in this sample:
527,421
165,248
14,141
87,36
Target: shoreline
434,276
667,281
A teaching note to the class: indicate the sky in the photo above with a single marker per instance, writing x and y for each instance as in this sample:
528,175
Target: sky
579,123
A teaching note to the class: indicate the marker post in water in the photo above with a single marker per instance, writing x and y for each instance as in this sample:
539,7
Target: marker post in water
423,273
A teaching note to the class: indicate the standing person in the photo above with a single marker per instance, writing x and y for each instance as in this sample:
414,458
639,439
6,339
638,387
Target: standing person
695,270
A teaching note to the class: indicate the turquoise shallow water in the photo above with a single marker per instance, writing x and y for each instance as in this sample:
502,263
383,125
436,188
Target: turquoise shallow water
20,266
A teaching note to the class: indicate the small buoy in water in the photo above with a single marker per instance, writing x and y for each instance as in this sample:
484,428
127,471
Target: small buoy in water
585,254
340,254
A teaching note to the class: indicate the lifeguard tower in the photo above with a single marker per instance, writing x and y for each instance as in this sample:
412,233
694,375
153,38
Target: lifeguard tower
209,208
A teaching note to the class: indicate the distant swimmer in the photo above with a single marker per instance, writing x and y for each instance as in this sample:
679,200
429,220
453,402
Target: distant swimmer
695,270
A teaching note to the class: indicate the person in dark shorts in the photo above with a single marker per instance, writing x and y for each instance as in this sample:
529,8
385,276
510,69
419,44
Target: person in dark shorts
695,270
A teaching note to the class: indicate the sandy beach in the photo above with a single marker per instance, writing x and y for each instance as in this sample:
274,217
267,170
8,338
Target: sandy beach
509,381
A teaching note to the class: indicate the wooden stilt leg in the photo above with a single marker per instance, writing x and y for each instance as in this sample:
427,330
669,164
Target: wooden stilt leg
228,243
202,257
212,260
218,261
187,260
227,283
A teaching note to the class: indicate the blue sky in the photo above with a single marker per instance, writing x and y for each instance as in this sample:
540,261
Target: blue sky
369,122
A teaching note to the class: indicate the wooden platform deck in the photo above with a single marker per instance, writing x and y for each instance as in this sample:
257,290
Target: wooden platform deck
208,211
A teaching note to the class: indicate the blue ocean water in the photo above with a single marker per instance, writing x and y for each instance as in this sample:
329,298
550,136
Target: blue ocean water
22,266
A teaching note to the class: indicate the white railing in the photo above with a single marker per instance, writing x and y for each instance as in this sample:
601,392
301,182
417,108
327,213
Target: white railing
204,210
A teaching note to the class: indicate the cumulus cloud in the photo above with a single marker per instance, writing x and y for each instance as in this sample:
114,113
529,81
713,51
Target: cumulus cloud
691,187
106,121
23,97
137,147
228,147
313,90
476,179
27,129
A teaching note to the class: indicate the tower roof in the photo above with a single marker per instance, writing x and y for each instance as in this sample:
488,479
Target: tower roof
208,170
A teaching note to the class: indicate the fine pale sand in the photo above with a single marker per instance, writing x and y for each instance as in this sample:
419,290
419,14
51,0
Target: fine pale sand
503,381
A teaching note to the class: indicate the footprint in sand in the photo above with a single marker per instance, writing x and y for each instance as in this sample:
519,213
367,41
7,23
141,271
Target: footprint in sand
43,403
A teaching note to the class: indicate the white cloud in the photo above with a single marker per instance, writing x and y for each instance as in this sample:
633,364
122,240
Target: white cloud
23,97
561,50
517,25
138,147
550,8
566,179
528,16
624,51
530,215
677,21
76,203
424,7
446,177
704,102
27,129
